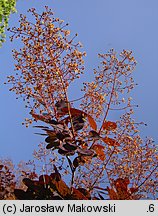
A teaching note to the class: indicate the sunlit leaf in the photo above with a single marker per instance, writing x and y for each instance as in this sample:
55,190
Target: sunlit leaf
108,125
110,141
43,118
59,185
75,112
85,192
133,190
92,123
121,183
99,149
78,195
112,194
121,188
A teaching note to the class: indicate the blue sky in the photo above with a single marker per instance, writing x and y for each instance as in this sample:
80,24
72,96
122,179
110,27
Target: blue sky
101,25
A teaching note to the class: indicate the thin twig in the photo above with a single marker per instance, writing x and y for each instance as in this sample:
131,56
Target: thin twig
72,170
142,182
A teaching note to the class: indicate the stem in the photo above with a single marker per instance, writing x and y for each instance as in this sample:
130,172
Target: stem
108,106
112,92
72,170
123,107
66,96
143,182
77,99
103,168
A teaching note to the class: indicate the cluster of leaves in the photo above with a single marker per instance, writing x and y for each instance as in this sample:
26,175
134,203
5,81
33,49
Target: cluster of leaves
11,177
6,8
50,187
66,139
107,158
7,180
121,190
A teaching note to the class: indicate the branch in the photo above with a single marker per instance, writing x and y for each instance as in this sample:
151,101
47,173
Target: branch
108,106
143,182
72,170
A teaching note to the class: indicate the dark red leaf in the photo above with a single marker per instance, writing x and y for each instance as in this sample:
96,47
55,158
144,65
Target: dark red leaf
108,125
110,141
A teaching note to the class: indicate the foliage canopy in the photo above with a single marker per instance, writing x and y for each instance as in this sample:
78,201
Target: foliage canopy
6,8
